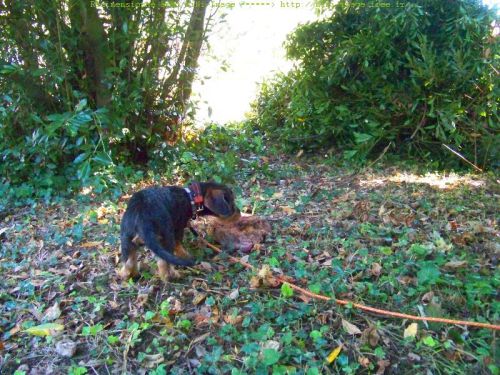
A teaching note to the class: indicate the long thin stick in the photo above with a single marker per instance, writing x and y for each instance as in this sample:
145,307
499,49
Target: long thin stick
463,158
359,306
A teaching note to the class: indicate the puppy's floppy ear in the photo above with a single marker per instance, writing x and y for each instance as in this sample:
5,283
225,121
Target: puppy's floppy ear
215,201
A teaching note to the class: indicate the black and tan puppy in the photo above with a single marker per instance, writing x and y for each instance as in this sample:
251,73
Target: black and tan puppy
157,216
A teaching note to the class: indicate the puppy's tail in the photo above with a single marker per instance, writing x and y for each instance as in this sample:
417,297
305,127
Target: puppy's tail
152,243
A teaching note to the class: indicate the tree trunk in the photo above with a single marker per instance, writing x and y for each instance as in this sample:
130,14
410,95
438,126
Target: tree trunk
188,59
92,42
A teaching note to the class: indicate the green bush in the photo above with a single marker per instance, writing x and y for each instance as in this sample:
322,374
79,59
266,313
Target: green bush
87,89
410,75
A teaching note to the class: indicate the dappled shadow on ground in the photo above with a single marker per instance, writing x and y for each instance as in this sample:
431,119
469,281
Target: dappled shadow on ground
391,239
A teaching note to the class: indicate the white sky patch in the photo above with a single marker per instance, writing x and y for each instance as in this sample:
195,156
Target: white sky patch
251,42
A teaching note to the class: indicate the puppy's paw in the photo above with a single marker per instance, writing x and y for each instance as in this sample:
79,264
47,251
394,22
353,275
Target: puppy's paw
126,273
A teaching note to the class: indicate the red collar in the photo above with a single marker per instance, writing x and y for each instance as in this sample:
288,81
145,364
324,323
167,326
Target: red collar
195,198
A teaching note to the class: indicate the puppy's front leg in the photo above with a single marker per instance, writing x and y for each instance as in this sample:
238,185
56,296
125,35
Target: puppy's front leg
129,269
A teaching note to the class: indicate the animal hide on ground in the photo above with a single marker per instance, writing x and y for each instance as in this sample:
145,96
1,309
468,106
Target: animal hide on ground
242,235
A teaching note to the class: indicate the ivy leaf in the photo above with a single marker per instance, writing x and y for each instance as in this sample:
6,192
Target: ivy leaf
428,274
286,290
270,357
429,341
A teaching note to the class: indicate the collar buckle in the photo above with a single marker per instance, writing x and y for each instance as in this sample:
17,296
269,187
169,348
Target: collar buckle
195,198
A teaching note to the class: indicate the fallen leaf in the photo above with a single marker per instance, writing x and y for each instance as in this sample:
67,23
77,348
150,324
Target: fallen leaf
233,319
411,330
382,365
255,282
361,210
66,348
91,244
52,313
199,297
427,297
452,225
264,278
205,266
47,329
363,361
234,294
152,360
288,210
455,264
271,344
175,305
376,269
141,299
350,328
334,354
370,336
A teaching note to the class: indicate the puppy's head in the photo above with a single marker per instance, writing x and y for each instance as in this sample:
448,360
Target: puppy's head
219,199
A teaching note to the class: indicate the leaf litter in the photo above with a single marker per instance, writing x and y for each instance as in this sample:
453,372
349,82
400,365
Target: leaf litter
333,233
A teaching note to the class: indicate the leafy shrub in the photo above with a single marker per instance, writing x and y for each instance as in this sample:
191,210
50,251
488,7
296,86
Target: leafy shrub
412,75
82,91
216,152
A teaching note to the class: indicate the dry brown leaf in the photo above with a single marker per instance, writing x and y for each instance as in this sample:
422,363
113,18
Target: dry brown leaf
255,282
350,328
152,360
264,278
452,225
288,210
361,210
233,319
376,269
52,313
91,244
175,305
455,264
370,336
382,365
427,297
363,361
141,300
199,297
158,318
205,266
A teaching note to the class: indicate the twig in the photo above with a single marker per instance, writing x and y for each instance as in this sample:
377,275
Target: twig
462,157
380,156
284,280
421,123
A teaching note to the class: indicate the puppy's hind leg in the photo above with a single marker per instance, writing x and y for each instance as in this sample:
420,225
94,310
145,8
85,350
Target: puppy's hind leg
129,257
166,271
